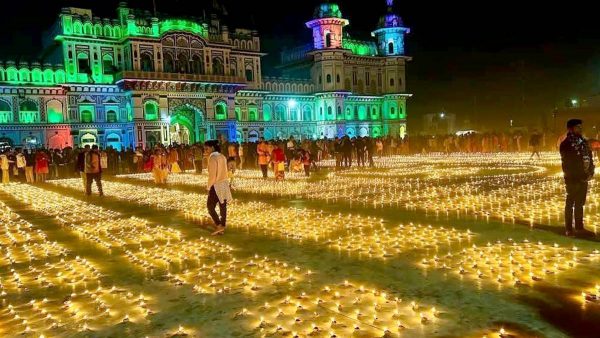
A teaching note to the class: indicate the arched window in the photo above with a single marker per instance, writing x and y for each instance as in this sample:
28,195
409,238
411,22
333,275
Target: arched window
107,31
151,111
83,63
77,28
267,112
391,47
29,112
307,114
339,113
374,114
392,83
220,111
107,64
393,111
249,74
182,63
280,113
111,116
217,67
330,113
54,111
328,77
48,76
59,76
349,115
197,67
337,78
294,114
6,114
147,62
24,75
252,114
328,39
87,116
168,63
87,29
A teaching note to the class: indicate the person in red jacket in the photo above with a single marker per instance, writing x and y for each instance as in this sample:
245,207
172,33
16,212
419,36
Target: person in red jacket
278,159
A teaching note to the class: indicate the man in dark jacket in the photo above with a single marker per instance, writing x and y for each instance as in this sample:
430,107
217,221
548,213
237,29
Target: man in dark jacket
578,169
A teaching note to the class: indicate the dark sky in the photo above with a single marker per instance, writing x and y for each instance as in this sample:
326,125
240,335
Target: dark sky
488,61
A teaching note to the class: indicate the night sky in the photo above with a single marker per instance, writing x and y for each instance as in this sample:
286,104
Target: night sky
487,62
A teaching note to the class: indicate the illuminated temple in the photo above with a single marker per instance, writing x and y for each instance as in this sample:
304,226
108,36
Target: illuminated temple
141,80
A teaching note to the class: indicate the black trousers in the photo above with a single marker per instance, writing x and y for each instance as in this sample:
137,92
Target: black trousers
576,196
307,170
264,168
211,204
347,158
360,158
88,183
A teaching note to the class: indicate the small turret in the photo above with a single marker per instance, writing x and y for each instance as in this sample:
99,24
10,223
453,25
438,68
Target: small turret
327,26
390,33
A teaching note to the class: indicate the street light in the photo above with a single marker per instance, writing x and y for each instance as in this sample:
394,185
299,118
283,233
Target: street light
292,103
442,115
574,102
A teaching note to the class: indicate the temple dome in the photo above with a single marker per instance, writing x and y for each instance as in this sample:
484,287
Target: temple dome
327,10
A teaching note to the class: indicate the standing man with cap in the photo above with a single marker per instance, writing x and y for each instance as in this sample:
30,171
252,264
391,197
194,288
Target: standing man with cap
578,169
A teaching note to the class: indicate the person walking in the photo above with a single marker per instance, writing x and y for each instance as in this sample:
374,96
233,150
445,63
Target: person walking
93,170
578,169
81,166
219,191
263,157
29,164
21,163
534,143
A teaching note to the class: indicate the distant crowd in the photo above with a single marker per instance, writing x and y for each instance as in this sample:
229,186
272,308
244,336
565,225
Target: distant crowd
38,165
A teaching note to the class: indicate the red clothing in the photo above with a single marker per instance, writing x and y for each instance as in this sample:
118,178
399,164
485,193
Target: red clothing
278,155
41,163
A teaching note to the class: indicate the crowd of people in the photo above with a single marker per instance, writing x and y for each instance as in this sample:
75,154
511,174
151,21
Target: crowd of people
222,158
276,156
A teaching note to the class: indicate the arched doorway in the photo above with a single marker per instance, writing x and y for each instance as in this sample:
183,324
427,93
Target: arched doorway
88,139
252,136
113,140
186,122
180,133
6,140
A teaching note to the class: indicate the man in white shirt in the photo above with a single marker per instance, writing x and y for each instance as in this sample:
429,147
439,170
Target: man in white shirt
218,186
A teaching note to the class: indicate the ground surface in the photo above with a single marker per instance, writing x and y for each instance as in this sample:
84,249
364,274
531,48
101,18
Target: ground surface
460,246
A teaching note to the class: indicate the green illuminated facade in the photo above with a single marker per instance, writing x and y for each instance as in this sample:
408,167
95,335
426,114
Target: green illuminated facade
138,80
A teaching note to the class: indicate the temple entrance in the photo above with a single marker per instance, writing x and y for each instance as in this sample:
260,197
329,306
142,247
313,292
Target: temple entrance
185,125
88,139
180,134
